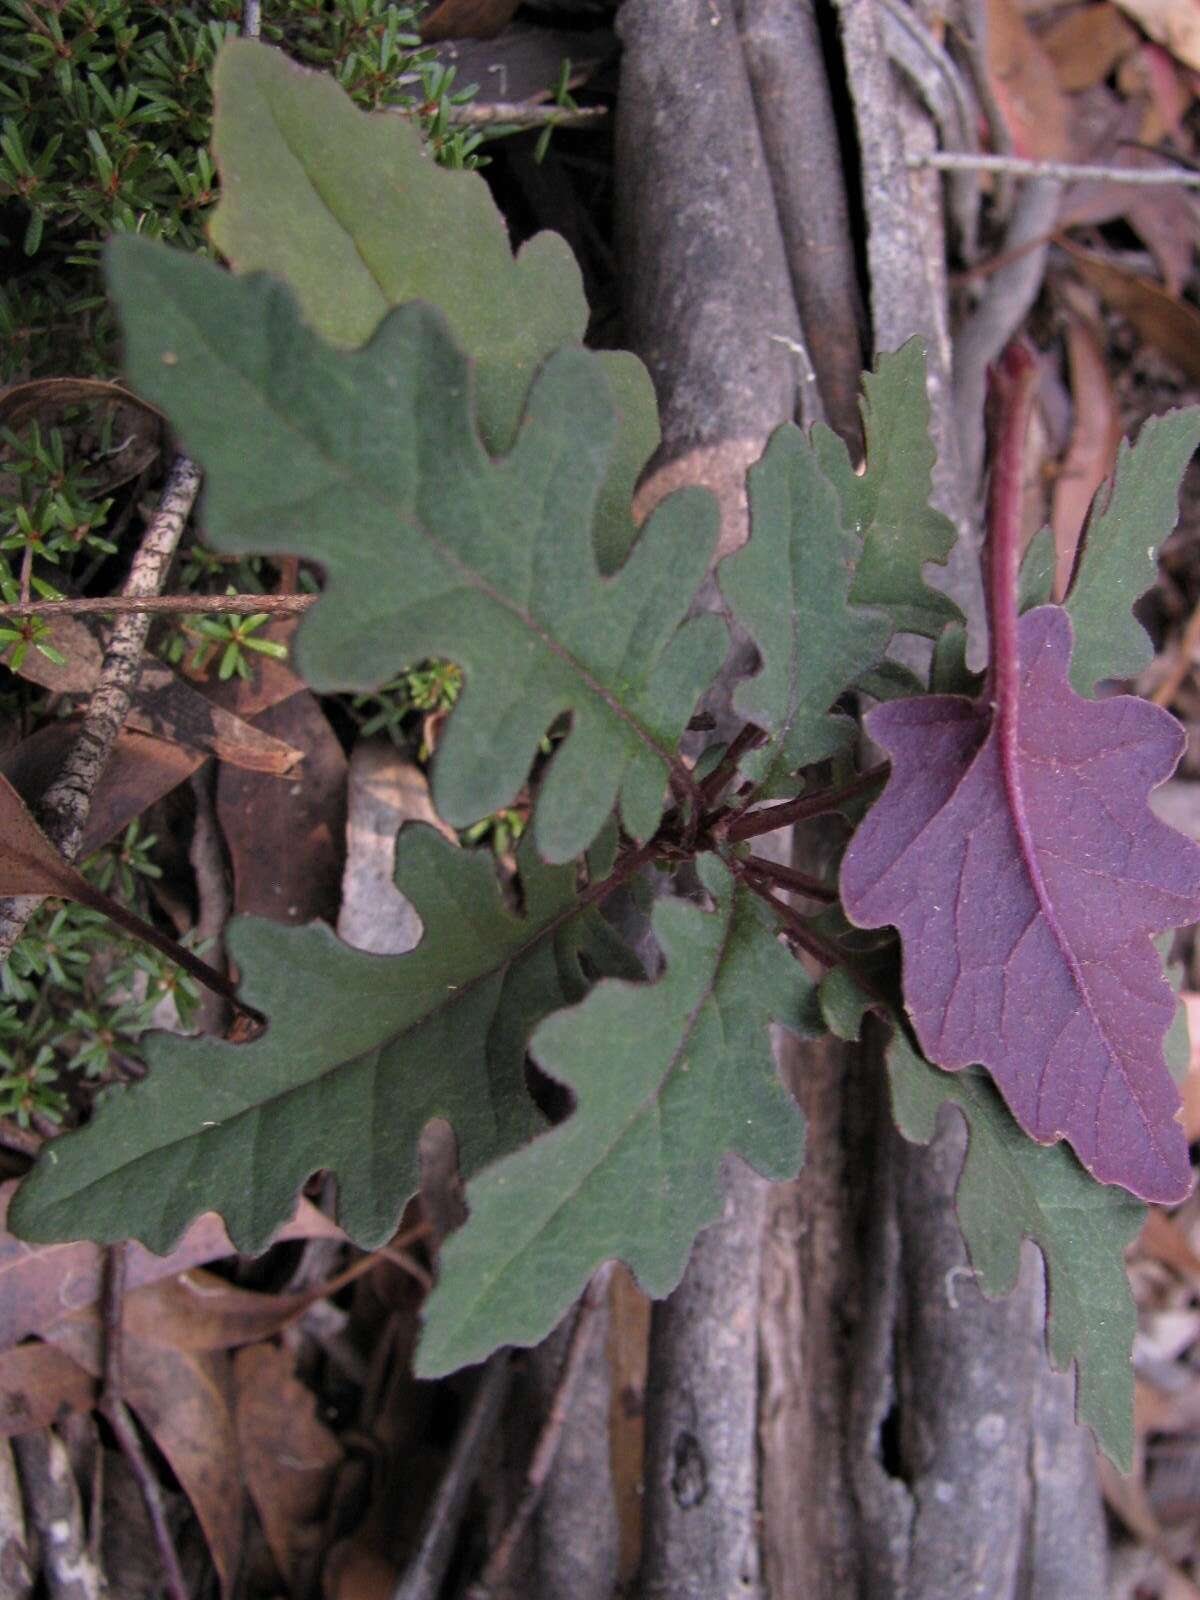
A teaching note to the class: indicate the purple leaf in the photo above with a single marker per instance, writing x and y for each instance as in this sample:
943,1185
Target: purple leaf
1015,851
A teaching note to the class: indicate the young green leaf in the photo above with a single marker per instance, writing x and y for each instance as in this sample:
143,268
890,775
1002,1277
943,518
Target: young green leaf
668,1078
788,586
1119,554
359,1053
888,508
1012,1189
369,462
347,207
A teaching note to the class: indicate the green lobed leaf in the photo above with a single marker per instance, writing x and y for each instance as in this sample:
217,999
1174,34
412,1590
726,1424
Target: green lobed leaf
359,1053
1119,551
668,1078
1012,1189
788,587
369,462
347,206
888,508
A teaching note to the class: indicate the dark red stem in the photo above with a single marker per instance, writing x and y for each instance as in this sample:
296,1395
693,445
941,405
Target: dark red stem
789,878
751,824
748,739
1013,386
171,948
794,924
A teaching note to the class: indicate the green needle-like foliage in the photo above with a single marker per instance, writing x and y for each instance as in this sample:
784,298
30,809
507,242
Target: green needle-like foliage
669,1077
360,1052
369,462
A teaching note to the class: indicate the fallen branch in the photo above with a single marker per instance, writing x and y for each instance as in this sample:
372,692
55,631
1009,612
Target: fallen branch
523,114
582,1335
116,1413
66,804
171,605
1063,171
427,1570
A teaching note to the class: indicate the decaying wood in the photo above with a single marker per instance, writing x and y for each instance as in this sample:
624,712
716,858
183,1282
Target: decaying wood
794,105
54,1508
711,310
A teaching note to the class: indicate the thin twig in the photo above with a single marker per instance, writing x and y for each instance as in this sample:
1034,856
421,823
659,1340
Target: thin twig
523,114
749,825
427,1570
115,1412
796,930
1064,171
786,877
239,605
582,1336
749,738
66,804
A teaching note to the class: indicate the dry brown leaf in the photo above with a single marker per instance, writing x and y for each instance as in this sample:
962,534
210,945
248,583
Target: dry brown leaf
138,425
1025,84
162,703
1092,452
182,1399
39,1385
201,1311
467,19
1085,45
288,1455
291,869
1172,23
29,864
355,1570
42,1284
385,791
1162,1240
273,680
1155,72
1171,326
140,770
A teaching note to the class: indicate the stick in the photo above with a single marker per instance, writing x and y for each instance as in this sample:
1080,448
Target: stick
115,1412
807,805
785,877
1063,171
582,1335
170,605
66,804
426,1571
521,114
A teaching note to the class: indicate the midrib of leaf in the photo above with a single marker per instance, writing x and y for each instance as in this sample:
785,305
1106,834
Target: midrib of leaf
330,208
455,997
472,579
650,1105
